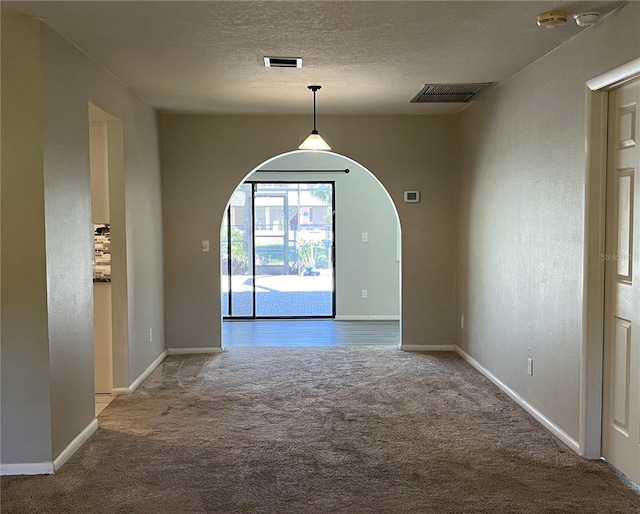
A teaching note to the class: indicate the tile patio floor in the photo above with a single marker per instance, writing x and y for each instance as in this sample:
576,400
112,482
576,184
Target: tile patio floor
280,295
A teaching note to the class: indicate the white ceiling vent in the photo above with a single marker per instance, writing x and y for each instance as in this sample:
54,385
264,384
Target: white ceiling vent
283,62
449,93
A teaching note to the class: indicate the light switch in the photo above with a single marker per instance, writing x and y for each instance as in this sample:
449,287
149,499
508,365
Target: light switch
205,246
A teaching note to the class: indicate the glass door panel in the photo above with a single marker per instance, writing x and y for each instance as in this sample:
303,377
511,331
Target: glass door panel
282,264
240,253
271,253
225,272
314,243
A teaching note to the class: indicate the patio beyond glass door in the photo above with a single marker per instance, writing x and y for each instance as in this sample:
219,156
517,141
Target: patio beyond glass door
271,252
278,253
236,259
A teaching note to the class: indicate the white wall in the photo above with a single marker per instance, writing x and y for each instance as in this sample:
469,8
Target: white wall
206,157
521,243
362,205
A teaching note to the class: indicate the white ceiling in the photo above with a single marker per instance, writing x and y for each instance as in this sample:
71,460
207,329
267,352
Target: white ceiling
371,57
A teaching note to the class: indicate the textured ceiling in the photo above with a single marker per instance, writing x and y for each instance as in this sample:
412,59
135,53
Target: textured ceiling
371,57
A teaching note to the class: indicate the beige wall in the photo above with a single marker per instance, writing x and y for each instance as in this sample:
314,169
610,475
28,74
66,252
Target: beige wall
206,157
99,164
68,242
72,81
26,422
47,347
521,244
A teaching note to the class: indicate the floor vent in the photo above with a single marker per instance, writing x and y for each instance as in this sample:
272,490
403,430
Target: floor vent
449,93
283,62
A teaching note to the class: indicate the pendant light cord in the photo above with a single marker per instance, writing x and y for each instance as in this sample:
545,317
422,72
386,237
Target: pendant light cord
314,141
314,89
314,111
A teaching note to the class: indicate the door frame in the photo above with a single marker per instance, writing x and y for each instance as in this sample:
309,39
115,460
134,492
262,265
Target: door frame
592,355
114,146
254,183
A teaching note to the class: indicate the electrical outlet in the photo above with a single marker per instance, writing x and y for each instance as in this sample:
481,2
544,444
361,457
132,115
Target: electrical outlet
462,321
365,237
205,245
150,335
364,293
530,366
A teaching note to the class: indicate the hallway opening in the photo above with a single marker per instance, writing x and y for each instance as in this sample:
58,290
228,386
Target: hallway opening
310,235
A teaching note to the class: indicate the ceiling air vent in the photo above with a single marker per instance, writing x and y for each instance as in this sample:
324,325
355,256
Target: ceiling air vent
283,62
449,93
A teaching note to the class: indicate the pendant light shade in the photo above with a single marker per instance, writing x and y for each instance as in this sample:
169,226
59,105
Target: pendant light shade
314,141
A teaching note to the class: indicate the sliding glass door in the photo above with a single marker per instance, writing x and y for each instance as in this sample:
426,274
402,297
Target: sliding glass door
236,243
278,254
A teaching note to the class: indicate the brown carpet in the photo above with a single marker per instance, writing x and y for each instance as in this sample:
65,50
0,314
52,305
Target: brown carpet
320,430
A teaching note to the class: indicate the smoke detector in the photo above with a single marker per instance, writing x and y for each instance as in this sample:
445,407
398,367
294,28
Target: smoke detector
586,19
552,19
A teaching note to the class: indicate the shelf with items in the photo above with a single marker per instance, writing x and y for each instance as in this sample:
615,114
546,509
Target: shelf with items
101,252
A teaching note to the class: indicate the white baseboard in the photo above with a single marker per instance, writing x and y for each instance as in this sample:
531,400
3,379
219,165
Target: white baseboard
189,351
48,468
27,468
73,446
541,418
136,383
375,317
427,348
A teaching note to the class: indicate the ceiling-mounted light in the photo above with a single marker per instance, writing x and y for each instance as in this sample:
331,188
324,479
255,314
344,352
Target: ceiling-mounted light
314,141
586,19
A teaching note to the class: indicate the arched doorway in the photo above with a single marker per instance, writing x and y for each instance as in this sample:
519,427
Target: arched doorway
366,241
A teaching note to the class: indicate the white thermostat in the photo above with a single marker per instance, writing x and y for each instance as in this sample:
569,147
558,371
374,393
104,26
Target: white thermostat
412,196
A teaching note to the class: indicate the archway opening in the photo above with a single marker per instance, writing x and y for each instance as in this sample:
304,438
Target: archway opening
302,205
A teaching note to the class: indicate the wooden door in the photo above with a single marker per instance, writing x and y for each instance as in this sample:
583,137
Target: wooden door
621,400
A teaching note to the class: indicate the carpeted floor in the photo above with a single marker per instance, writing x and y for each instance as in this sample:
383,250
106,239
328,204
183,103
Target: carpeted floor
320,430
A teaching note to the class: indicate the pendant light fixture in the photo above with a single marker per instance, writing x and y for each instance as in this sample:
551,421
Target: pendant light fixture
314,141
